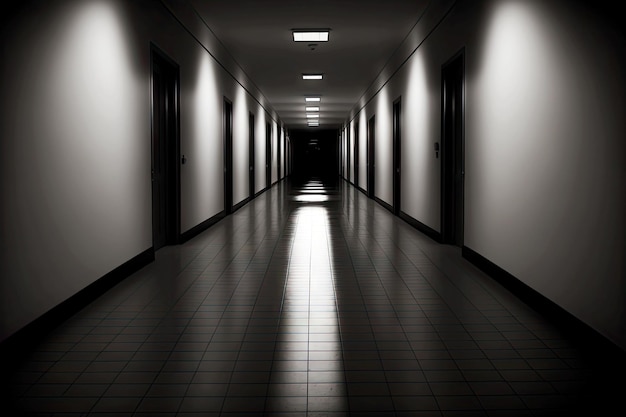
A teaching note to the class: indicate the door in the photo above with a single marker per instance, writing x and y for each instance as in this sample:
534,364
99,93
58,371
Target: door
278,156
356,154
396,157
371,157
348,153
165,151
251,176
228,156
452,152
268,155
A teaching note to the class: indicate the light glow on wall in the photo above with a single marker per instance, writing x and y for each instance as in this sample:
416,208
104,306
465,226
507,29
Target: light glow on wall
77,155
201,176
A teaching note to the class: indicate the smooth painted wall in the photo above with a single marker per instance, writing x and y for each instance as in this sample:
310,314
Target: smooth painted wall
75,150
545,155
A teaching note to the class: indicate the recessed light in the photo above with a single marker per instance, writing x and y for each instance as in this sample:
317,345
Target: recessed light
312,116
310,35
312,76
312,99
314,124
312,108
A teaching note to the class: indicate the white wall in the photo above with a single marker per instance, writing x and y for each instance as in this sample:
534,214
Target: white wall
75,143
241,146
259,149
545,174
546,157
202,102
75,156
362,118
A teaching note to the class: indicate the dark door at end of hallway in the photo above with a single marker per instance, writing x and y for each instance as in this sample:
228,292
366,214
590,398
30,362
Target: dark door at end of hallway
165,151
452,152
397,146
228,156
251,173
371,157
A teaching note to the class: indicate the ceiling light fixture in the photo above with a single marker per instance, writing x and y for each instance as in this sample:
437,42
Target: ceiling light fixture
312,116
312,108
313,99
312,76
310,35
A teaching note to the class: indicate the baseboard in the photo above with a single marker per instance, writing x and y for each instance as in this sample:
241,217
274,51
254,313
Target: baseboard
241,204
384,204
581,331
29,335
431,233
199,228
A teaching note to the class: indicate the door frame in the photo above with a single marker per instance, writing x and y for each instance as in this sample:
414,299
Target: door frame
348,152
356,154
172,204
268,155
227,127
453,152
371,157
278,164
397,155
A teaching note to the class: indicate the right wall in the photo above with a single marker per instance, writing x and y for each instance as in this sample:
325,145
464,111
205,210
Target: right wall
545,144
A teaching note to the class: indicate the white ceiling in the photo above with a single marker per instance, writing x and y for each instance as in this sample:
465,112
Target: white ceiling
364,35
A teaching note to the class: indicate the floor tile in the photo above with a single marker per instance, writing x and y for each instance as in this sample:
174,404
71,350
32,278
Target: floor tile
334,309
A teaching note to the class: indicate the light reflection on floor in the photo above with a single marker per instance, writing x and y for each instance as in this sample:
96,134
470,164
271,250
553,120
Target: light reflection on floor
309,340
313,191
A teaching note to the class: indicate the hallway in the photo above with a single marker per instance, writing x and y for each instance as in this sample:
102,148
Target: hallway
311,300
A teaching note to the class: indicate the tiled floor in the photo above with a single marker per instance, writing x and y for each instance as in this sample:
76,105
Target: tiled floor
311,301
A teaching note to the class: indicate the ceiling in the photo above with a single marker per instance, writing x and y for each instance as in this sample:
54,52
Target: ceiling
364,35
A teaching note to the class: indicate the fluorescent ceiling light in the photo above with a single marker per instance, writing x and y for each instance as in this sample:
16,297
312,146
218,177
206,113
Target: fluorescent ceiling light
310,35
312,116
312,99
314,124
312,108
312,76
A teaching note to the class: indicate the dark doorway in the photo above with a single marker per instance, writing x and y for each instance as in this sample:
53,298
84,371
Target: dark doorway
356,154
268,155
228,156
371,157
316,154
165,151
251,175
452,152
397,145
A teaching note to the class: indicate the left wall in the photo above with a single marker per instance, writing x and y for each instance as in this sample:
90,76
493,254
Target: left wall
75,142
